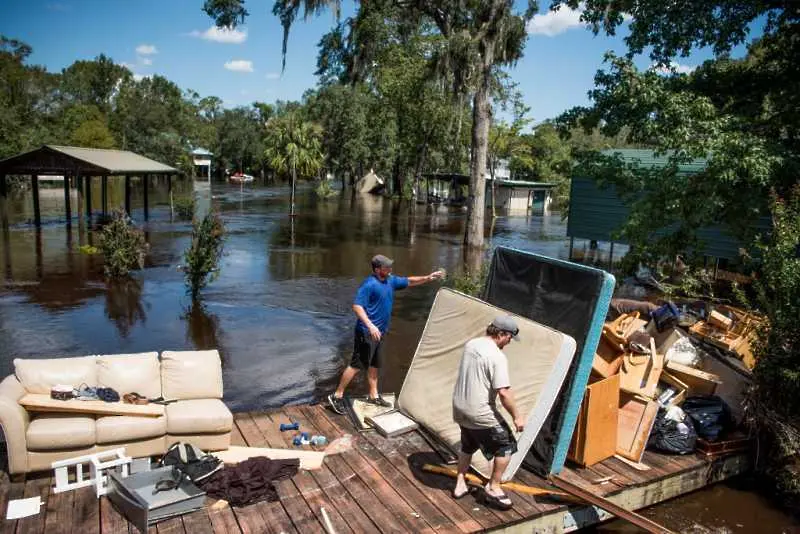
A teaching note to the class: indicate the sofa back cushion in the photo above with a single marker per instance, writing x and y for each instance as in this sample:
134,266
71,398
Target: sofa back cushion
128,373
191,374
38,376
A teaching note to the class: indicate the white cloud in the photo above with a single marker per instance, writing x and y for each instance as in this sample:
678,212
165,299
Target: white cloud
222,35
126,65
554,22
146,50
674,68
272,75
55,6
239,65
145,61
139,77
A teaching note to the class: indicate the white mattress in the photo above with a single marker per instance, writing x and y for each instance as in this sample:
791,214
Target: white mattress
537,366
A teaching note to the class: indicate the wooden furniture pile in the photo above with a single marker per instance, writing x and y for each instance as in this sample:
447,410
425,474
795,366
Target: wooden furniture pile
630,380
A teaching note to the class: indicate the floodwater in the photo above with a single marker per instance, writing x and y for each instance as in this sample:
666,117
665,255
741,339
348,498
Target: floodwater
279,313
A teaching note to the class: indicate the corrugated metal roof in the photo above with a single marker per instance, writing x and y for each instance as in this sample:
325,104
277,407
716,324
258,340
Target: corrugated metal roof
523,183
201,152
114,161
648,159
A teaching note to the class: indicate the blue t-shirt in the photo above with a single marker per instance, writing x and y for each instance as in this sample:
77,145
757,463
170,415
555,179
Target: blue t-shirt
377,297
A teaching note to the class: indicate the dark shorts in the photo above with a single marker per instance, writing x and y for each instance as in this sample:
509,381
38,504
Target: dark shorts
366,351
495,441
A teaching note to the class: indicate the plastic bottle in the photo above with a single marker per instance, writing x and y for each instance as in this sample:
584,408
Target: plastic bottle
319,441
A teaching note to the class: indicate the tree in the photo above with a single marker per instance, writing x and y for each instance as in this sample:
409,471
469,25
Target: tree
293,147
480,37
738,115
93,134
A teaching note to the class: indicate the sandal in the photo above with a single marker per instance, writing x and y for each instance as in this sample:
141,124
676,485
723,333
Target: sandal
501,502
457,496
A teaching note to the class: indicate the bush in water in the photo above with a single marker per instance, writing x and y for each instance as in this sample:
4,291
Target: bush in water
123,246
184,207
201,259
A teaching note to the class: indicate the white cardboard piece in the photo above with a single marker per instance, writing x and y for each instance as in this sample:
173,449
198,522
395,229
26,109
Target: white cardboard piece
19,508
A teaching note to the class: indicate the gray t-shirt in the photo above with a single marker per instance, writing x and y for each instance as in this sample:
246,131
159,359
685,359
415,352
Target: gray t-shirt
483,370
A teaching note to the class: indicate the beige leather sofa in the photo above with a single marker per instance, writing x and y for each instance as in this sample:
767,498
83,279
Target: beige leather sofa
35,440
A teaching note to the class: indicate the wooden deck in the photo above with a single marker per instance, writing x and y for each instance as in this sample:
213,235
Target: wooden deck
376,487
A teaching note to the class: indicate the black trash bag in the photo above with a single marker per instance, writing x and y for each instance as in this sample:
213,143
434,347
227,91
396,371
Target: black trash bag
710,415
670,436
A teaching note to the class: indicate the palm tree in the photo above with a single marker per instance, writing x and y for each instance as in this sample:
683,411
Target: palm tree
294,146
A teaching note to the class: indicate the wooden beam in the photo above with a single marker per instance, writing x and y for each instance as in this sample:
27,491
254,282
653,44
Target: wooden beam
592,498
37,216
67,201
128,195
145,182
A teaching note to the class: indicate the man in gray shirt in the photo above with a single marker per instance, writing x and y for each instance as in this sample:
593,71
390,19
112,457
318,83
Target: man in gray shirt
482,377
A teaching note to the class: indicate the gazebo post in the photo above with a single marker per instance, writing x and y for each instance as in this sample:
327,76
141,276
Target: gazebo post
88,181
611,257
571,245
67,204
79,189
128,195
104,194
146,181
37,216
169,184
3,202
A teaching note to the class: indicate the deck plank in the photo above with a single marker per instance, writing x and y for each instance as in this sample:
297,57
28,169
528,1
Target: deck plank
35,484
111,521
262,516
416,498
359,519
171,526
406,453
223,520
14,488
197,522
306,484
403,513
58,512
293,503
360,492
86,511
339,507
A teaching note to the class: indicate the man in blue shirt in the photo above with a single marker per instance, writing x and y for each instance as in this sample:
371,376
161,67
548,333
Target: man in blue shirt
373,309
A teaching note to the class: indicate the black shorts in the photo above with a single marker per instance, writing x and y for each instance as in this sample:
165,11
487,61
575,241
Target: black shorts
366,351
495,441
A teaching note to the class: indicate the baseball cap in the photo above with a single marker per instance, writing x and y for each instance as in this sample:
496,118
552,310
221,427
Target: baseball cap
506,323
379,260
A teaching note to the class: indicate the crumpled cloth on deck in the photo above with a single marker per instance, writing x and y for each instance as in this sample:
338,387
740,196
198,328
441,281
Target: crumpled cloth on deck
250,481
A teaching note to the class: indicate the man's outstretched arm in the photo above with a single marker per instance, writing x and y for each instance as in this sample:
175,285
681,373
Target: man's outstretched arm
419,280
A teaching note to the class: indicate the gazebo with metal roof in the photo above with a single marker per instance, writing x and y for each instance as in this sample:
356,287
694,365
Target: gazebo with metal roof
81,165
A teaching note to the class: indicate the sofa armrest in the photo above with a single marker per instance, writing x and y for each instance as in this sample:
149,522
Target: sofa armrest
14,419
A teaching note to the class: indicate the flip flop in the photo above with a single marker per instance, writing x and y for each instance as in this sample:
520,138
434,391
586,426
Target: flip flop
457,496
502,502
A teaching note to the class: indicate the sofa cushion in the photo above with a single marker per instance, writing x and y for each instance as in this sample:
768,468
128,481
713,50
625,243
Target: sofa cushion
38,376
191,374
60,431
117,428
199,416
128,373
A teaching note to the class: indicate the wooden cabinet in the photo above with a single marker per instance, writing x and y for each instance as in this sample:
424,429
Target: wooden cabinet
595,437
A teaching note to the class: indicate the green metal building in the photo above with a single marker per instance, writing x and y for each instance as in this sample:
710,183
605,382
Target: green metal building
596,213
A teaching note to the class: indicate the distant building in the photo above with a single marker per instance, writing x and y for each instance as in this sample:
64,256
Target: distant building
202,158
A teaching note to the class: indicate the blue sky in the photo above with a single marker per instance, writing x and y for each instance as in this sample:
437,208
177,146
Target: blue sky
175,39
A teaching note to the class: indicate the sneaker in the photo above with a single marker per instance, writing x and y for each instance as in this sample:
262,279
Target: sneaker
379,401
336,403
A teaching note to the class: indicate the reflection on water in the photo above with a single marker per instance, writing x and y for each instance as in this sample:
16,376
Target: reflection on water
124,304
280,310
